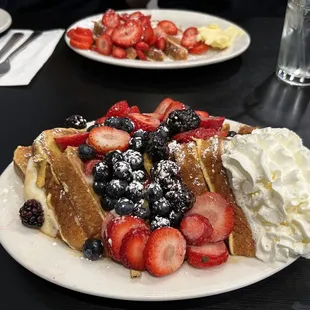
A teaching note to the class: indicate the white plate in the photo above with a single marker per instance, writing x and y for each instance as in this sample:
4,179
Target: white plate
182,19
5,20
54,261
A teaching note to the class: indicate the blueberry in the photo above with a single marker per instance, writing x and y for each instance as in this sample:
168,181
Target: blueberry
139,175
101,172
137,144
126,124
231,134
142,212
134,158
93,249
161,207
175,218
76,121
100,187
135,191
113,157
86,152
124,206
158,222
114,122
107,203
116,189
163,131
153,192
122,170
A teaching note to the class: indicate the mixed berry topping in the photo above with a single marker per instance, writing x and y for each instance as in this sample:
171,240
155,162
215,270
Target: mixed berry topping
76,121
32,214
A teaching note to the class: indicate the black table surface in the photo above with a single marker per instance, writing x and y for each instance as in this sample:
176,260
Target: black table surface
242,89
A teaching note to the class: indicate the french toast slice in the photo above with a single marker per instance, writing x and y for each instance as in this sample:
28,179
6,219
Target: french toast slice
174,49
241,242
20,160
186,156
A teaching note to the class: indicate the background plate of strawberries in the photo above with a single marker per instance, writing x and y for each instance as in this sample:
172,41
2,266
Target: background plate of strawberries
151,39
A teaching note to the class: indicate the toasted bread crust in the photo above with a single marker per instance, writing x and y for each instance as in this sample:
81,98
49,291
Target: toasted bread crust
20,160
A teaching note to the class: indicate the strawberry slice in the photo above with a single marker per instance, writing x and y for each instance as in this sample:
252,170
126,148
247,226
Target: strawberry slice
155,115
142,46
109,216
89,165
134,109
215,122
141,55
100,120
199,133
152,40
108,31
164,251
199,49
117,228
144,122
128,34
71,140
118,52
163,106
161,43
84,31
196,229
175,105
189,39
159,32
131,251
70,33
120,109
106,139
202,114
124,17
218,211
148,34
169,27
136,15
82,45
104,45
82,37
110,19
208,255
191,31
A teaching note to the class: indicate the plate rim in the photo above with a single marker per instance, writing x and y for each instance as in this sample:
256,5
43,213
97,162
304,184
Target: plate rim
6,25
159,65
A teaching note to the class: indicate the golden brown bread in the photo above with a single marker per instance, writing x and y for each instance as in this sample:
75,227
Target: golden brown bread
20,160
174,49
240,240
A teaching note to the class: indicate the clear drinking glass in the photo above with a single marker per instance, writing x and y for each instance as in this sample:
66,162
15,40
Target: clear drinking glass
294,55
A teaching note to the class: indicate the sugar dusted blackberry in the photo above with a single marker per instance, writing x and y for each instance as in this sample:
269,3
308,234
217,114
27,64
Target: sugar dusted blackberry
158,222
122,170
139,175
163,131
161,207
127,125
117,189
166,183
86,152
182,120
113,157
153,192
32,214
76,121
107,203
142,212
141,133
124,206
134,158
137,144
175,218
100,187
182,200
157,147
101,172
113,121
165,169
93,249
135,191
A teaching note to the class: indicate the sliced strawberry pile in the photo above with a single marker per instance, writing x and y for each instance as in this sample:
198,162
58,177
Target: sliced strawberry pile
81,38
189,37
144,122
71,140
106,139
128,34
208,255
199,133
219,213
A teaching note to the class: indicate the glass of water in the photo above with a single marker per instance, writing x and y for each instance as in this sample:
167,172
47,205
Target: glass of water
294,55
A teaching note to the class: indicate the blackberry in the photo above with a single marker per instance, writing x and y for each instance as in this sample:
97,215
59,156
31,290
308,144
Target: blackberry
165,169
141,134
182,120
113,157
157,147
117,189
163,131
175,218
93,249
158,222
166,183
101,172
153,192
181,200
139,175
142,212
107,203
32,214
127,125
231,134
137,144
134,158
76,121
93,126
100,187
86,152
113,121
122,171
124,206
161,207
135,191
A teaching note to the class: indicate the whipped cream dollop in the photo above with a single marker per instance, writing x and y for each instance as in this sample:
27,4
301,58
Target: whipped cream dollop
269,172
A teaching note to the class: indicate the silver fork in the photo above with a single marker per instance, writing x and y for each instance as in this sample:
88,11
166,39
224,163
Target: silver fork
5,66
11,42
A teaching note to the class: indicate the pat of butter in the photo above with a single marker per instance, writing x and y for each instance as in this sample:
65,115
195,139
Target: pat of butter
216,37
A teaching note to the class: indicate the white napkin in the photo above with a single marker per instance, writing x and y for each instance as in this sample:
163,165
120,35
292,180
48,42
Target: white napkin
26,64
